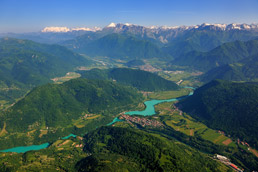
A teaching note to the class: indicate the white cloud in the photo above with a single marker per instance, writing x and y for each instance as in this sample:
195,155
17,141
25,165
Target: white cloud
56,29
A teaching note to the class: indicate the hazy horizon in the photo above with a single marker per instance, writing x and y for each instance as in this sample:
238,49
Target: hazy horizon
20,16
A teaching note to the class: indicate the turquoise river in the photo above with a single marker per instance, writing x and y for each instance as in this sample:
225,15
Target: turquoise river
149,110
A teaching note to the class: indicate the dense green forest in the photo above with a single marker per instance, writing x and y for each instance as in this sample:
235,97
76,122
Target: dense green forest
242,157
142,80
25,64
224,54
57,107
244,70
228,106
113,149
139,151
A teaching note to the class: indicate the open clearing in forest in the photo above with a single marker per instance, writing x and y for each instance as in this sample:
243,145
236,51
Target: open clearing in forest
81,122
3,131
67,77
227,142
191,132
31,132
43,132
189,126
93,117
255,152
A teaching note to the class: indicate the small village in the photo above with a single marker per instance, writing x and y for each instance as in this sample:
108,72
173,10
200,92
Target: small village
175,108
144,122
227,162
87,115
238,140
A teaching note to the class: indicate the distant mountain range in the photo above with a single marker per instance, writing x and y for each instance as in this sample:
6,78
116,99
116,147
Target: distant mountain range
224,54
166,42
127,26
200,47
161,35
166,34
243,70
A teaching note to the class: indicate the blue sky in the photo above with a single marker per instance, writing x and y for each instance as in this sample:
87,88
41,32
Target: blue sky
33,15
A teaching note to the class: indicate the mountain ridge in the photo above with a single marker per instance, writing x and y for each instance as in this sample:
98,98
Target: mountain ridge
120,26
25,64
55,108
226,53
142,80
243,70
161,34
114,45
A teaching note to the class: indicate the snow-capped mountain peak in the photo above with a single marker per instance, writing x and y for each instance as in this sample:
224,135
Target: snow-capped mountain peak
137,28
112,25
128,24
86,29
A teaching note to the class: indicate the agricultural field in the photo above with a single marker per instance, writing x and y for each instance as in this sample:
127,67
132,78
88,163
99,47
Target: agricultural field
3,131
61,154
255,152
215,137
84,120
184,123
187,78
4,104
67,77
105,62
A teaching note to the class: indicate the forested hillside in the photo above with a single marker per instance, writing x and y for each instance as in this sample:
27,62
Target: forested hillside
115,45
142,80
228,106
113,149
65,107
244,70
204,39
134,150
224,54
25,64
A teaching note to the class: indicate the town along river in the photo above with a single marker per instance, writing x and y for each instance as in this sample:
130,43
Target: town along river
150,106
149,110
